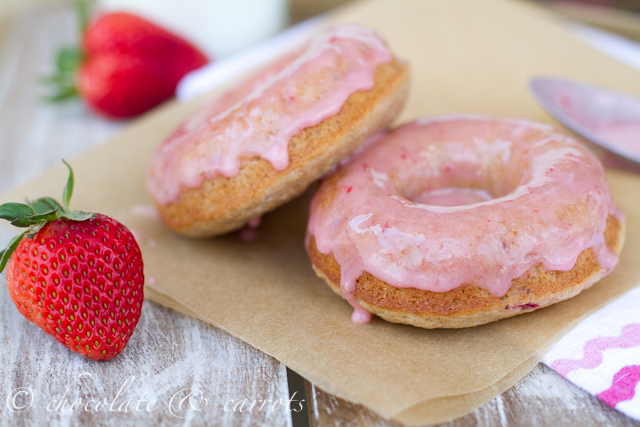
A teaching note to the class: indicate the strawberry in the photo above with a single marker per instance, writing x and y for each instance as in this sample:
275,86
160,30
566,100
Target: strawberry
126,66
76,275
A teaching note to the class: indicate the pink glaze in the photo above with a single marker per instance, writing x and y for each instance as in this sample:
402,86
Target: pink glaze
250,232
549,202
255,222
452,196
261,115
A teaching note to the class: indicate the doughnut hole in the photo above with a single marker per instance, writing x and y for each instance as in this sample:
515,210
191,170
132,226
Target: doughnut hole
453,169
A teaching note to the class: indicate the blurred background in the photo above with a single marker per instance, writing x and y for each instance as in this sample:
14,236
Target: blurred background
235,35
243,22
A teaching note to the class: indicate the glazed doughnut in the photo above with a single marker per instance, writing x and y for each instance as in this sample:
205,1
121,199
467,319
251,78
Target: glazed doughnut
457,221
266,140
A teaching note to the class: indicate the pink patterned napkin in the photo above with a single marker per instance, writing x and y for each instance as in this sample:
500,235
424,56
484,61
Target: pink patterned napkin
602,354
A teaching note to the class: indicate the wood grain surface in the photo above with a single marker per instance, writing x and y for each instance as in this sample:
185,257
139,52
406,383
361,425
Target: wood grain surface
170,354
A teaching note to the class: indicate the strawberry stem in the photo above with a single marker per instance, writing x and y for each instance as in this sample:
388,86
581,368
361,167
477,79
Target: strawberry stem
82,12
37,214
68,60
68,189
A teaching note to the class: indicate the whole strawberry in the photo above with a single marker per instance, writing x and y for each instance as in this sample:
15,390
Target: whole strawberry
126,66
77,275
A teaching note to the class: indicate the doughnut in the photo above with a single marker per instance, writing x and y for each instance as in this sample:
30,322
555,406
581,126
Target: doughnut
264,141
457,221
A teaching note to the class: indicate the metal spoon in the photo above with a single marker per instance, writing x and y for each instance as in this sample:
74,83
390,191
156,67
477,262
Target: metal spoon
608,118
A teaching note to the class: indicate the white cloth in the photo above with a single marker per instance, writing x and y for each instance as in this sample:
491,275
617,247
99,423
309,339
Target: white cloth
602,354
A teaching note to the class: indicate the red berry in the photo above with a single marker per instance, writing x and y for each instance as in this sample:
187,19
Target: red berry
82,282
126,66
132,65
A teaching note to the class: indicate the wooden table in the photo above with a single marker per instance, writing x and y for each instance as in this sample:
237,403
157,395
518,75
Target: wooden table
171,354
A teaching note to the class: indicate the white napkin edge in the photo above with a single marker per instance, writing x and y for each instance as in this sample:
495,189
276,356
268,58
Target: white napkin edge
618,47
221,71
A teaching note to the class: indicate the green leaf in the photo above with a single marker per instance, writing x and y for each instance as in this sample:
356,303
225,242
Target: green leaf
63,82
15,211
5,255
27,221
47,216
68,190
69,59
33,230
63,94
60,79
45,204
78,215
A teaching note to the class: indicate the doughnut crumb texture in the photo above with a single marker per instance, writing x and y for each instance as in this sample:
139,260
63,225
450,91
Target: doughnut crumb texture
457,221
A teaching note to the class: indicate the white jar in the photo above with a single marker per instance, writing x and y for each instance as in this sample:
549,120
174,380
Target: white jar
218,27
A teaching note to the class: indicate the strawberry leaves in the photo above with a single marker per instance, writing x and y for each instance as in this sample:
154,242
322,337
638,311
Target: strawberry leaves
77,215
5,255
45,204
82,12
68,189
14,212
64,78
67,64
36,214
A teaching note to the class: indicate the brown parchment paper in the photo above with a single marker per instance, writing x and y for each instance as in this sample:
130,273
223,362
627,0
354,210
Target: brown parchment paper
466,57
